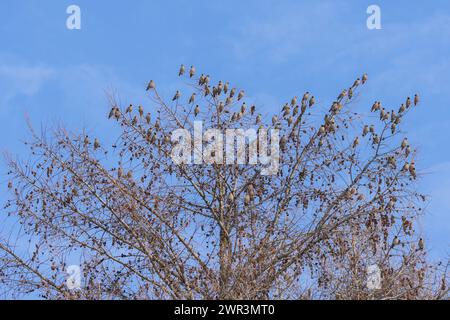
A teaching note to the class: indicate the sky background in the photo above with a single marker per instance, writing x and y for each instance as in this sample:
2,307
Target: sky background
273,49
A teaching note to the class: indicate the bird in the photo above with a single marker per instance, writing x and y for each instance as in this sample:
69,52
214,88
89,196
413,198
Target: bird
221,106
228,101
181,72
225,87
192,98
290,120
219,87
342,95
393,126
207,90
243,108
10,185
305,96
231,197
294,101
247,199
129,109
258,119
232,92
408,151
395,241
112,112
408,102
402,108
416,99
355,142
196,110
356,83
201,79
148,117
312,101
274,120
364,78
322,129
151,85
406,167
283,142
295,111
241,95
96,144
252,109
192,72
176,96
206,80
404,143
421,244
141,111
86,140
365,130
350,93
372,129
119,172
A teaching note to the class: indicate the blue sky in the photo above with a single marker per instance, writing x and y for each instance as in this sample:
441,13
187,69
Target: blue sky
273,49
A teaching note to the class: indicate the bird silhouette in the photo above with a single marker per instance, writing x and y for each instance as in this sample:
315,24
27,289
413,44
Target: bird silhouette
181,72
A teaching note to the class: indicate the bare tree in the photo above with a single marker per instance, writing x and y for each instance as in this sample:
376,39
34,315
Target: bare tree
344,198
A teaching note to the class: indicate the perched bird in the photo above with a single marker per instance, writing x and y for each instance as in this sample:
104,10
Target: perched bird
207,90
356,83
228,101
10,185
220,107
243,108
196,110
290,120
129,109
176,96
416,99
283,142
393,126
322,129
395,241
407,151
274,120
295,111
181,72
258,119
231,197
364,78
206,81
408,102
355,142
96,144
404,143
241,95
312,101
372,129
219,87
305,96
421,244
225,87
151,85
148,118
192,72
365,130
86,140
112,112
342,95
402,108
252,109
294,101
232,92
141,111
406,167
192,98
120,172
201,80
247,199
